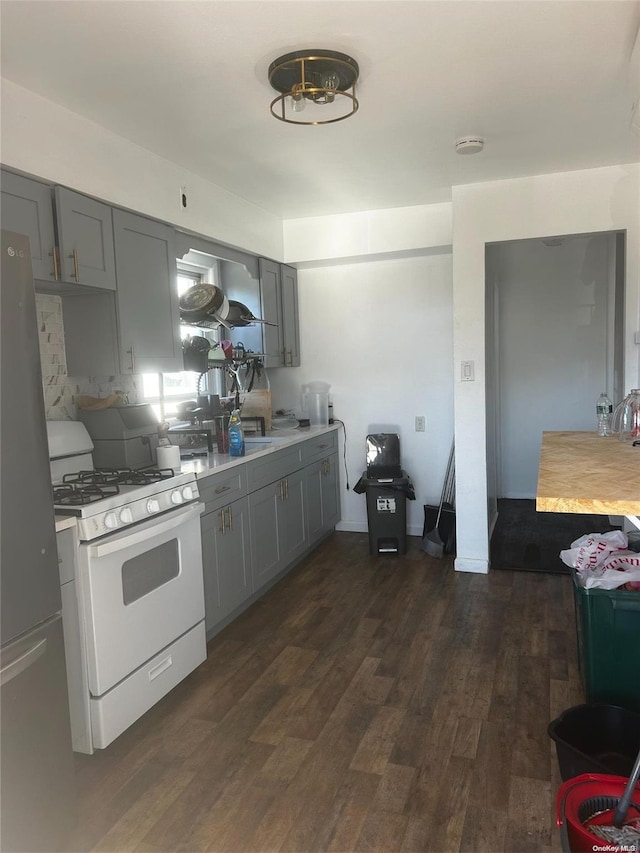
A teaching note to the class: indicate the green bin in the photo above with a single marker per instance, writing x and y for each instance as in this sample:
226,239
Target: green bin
608,634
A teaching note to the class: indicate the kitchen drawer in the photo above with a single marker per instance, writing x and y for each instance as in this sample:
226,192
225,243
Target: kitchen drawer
116,710
221,489
320,447
274,466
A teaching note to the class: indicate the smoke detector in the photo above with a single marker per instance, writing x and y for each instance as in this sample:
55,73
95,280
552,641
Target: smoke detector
469,145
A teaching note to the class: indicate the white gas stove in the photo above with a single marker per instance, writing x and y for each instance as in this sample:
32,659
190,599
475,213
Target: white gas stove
139,600
108,499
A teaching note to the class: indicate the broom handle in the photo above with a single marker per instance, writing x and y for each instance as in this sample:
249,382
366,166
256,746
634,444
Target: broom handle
623,806
444,486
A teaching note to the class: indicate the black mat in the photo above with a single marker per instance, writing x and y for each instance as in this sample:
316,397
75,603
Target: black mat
526,540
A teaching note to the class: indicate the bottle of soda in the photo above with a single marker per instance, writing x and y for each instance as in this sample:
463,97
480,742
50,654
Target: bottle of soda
604,409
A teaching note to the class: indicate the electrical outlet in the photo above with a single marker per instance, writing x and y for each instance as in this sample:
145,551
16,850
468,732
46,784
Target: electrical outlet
420,423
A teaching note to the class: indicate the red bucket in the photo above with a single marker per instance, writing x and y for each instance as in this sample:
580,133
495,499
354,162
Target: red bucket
573,807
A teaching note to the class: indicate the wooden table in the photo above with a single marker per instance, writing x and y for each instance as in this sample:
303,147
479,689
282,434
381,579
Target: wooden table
583,472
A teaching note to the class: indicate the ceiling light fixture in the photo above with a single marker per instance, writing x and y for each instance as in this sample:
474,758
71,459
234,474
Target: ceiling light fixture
318,79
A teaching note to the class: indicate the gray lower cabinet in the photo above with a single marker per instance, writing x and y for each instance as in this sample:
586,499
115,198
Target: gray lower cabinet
27,208
278,527
226,560
261,517
323,503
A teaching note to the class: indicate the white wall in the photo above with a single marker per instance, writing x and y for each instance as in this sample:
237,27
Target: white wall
368,233
53,143
381,333
553,331
606,199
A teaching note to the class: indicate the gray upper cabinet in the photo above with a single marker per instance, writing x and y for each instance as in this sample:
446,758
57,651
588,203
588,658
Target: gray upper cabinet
270,311
71,235
27,208
85,240
289,309
147,295
279,298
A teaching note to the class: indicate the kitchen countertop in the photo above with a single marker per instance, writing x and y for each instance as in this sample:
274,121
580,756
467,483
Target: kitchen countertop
64,521
583,472
203,466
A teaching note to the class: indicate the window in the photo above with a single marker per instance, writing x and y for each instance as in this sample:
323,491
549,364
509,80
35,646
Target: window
165,390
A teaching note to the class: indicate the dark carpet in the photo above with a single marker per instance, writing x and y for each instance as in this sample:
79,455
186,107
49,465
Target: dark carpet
526,540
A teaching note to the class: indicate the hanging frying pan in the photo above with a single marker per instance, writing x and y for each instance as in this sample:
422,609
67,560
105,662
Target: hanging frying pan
239,315
204,302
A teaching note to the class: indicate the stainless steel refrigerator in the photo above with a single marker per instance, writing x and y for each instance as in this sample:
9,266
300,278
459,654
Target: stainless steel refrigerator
37,789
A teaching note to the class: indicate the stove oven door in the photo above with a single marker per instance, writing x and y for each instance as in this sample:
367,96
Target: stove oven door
140,589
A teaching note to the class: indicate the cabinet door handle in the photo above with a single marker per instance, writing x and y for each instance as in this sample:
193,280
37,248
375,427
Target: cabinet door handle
76,271
288,358
286,489
281,489
230,511
221,516
222,489
133,359
56,267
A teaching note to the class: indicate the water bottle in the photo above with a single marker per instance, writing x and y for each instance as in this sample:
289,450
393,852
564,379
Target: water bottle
604,408
236,435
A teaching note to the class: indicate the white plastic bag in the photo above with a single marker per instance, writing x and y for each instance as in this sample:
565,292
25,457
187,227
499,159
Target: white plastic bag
621,568
593,549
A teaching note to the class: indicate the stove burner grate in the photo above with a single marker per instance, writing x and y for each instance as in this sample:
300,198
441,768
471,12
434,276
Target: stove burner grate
74,494
131,477
119,476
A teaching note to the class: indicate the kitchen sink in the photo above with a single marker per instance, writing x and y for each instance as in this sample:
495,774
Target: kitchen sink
258,440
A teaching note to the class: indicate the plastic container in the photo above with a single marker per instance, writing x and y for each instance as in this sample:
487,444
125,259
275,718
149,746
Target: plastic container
236,434
579,799
596,739
222,433
315,402
607,629
604,411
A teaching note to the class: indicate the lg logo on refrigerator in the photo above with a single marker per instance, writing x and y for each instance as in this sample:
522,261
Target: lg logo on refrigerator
12,252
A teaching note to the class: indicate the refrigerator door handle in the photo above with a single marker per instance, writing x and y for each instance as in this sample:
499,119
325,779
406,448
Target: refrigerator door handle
22,663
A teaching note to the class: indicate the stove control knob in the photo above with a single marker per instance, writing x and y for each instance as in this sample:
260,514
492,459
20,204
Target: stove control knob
126,516
176,497
187,493
111,520
153,506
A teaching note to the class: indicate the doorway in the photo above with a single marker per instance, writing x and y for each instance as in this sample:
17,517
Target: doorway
554,314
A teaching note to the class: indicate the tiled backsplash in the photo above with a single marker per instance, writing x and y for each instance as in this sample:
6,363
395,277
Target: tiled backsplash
60,390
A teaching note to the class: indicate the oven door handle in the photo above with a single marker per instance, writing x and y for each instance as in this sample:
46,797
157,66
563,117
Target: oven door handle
141,534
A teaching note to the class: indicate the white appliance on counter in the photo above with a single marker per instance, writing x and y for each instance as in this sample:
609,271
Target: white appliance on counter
139,582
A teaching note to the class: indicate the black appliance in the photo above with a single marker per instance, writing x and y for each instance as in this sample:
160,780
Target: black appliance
36,759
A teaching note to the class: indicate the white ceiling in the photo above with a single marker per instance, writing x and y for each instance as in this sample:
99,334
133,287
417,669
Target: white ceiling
546,83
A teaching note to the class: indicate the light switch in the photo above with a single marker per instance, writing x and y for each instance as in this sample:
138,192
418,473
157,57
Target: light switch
467,371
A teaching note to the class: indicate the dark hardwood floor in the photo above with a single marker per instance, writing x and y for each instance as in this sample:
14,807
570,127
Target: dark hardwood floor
363,704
